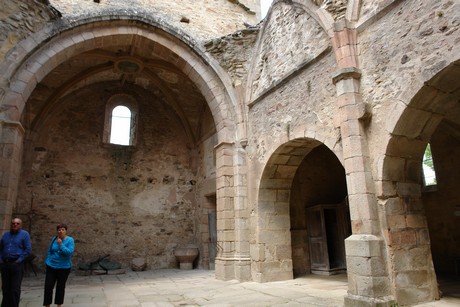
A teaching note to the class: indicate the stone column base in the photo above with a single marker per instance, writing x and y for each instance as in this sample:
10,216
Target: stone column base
233,268
243,269
362,301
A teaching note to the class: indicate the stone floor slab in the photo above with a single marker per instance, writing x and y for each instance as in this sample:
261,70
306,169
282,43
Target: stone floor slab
192,288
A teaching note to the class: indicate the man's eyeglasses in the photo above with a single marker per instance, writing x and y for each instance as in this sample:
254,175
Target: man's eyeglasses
15,223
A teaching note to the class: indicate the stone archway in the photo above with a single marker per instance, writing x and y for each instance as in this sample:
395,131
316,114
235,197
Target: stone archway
281,248
411,214
97,41
319,211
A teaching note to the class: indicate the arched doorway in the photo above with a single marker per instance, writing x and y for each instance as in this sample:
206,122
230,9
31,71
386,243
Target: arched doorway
301,214
423,233
127,193
319,214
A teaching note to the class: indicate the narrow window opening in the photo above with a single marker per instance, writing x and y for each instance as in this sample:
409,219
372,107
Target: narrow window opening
120,131
429,173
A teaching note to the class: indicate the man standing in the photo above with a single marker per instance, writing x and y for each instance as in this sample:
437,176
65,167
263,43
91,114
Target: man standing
15,246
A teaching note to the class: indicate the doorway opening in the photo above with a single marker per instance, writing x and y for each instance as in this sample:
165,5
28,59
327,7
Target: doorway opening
319,215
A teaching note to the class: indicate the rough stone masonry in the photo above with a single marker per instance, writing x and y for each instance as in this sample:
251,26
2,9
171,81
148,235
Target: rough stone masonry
281,147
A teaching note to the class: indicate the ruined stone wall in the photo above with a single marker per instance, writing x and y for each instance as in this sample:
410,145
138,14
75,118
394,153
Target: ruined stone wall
202,19
234,52
399,49
290,39
151,198
399,52
290,94
17,20
124,201
294,70
337,8
305,103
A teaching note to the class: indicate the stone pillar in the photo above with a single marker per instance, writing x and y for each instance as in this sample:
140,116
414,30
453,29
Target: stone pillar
232,261
368,279
242,232
11,137
271,248
224,211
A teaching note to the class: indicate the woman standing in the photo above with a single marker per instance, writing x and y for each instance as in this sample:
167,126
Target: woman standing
58,265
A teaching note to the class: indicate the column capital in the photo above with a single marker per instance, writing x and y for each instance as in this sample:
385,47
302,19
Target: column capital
346,73
224,144
13,123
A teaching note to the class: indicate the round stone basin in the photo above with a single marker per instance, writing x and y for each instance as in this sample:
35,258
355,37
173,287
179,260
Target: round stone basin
186,256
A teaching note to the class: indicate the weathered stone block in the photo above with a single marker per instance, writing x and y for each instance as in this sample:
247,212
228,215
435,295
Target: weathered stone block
363,207
416,221
366,266
274,237
345,86
409,259
278,221
356,164
224,269
396,221
363,246
408,189
412,295
403,237
359,182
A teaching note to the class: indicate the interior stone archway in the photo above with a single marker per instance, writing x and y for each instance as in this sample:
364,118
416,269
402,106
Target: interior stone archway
300,175
319,212
413,215
65,82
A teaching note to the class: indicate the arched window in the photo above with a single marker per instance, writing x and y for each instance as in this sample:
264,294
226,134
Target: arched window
429,173
120,126
120,132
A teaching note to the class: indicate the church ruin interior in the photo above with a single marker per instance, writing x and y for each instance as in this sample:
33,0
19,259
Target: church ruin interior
281,146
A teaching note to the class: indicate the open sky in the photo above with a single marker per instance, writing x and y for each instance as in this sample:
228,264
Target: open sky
264,6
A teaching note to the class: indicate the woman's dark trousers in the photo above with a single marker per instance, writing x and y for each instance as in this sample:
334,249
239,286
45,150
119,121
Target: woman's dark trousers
56,277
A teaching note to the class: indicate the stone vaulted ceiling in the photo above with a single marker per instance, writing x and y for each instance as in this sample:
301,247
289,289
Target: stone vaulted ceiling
138,64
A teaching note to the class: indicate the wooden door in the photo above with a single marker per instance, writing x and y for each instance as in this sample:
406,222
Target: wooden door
327,230
319,259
